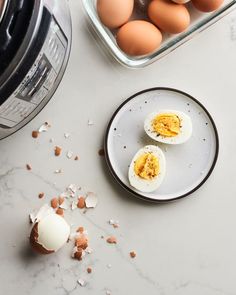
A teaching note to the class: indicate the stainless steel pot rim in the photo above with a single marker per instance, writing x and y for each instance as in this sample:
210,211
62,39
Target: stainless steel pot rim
2,9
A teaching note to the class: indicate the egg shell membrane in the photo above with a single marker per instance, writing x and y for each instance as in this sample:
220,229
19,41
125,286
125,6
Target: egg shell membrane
34,242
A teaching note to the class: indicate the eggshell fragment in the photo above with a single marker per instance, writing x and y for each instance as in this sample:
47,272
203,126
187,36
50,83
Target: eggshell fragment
57,151
35,134
81,202
37,215
81,244
81,241
132,254
89,270
49,234
54,203
60,212
139,37
114,13
91,200
168,16
207,5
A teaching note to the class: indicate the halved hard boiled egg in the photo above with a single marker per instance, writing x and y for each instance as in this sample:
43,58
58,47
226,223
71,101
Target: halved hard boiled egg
168,126
147,169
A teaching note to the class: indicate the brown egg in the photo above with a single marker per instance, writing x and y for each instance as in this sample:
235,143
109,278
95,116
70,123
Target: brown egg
114,13
168,16
1,6
207,5
139,37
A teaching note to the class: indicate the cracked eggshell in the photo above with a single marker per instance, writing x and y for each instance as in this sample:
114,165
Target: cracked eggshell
49,234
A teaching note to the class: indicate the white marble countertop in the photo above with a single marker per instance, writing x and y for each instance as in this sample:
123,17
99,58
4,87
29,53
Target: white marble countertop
186,247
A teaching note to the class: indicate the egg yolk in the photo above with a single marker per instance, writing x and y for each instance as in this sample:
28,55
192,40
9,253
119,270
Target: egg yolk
147,166
167,125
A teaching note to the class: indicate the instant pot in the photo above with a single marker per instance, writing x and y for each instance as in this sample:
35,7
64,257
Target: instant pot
35,42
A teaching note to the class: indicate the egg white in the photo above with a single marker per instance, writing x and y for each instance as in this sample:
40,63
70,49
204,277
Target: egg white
185,130
53,232
145,185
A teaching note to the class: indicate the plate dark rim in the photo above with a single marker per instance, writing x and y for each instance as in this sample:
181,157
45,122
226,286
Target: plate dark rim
128,188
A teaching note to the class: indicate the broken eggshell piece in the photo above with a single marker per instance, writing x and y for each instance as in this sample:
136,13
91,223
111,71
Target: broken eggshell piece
91,200
49,234
36,216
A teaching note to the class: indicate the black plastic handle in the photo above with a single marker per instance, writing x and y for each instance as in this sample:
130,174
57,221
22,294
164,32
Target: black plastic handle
9,22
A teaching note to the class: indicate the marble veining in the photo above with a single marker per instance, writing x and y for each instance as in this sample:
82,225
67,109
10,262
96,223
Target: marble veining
183,248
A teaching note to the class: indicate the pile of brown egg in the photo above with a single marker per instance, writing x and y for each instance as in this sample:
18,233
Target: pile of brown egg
141,37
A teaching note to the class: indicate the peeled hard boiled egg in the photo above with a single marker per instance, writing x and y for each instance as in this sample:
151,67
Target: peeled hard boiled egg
147,169
168,126
168,16
114,13
139,37
207,5
49,234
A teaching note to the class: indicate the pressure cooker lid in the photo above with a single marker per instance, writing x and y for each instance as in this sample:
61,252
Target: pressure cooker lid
3,5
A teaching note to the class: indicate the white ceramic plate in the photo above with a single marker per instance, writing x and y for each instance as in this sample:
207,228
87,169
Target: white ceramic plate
188,165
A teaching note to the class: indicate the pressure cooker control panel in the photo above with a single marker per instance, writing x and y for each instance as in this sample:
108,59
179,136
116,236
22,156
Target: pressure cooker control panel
39,80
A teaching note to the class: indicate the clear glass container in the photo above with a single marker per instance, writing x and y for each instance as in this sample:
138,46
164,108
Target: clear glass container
199,22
